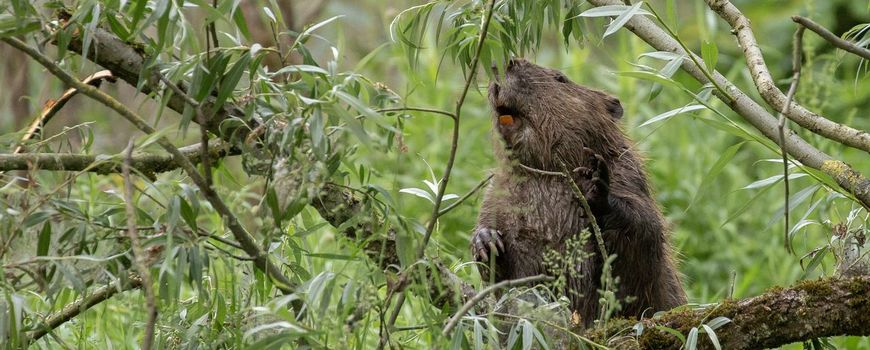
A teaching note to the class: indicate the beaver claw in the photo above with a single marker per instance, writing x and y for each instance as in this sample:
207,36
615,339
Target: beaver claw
485,241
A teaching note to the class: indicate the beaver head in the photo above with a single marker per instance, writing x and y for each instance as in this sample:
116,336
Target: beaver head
543,117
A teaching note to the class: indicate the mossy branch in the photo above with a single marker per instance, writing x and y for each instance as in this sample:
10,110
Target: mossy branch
77,307
147,164
811,309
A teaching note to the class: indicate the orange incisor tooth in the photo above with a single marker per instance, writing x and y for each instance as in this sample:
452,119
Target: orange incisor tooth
506,119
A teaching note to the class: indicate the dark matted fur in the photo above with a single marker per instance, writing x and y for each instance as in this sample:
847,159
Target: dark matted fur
525,213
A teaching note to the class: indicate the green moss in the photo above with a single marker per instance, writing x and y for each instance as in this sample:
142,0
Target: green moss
816,289
774,289
614,326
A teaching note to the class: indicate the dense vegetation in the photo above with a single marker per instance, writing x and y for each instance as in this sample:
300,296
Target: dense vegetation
332,126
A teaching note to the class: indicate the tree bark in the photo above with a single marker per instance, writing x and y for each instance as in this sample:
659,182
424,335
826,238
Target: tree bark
811,309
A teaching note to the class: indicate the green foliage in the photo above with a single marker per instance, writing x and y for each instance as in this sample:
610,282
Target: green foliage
320,112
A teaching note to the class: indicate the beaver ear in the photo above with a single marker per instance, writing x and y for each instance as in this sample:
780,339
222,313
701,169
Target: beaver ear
613,107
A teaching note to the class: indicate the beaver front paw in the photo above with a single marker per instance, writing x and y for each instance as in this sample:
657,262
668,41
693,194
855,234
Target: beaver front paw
485,241
594,181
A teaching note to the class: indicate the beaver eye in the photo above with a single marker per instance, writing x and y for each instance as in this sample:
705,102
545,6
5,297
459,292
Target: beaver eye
561,78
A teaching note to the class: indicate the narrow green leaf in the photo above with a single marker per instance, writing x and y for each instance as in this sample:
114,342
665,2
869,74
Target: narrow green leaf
231,79
692,339
718,322
419,193
653,77
772,180
528,336
301,68
622,19
712,335
714,171
44,240
671,113
710,54
814,262
611,10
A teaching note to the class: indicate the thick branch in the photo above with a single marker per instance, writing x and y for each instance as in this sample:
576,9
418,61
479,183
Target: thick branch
148,164
812,309
831,38
849,179
768,90
127,62
75,308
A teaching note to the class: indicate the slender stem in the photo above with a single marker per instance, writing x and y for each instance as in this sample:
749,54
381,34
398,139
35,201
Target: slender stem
832,38
783,125
138,252
692,56
418,109
484,293
599,238
463,198
454,145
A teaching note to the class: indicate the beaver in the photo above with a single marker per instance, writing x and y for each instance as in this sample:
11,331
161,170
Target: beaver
544,123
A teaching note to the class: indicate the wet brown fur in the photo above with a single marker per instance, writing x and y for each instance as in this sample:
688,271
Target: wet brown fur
554,120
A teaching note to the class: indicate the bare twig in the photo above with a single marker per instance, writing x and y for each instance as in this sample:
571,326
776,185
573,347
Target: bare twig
138,252
75,308
250,245
832,38
454,145
540,171
464,197
484,293
767,88
599,238
783,126
53,106
418,109
849,179
201,120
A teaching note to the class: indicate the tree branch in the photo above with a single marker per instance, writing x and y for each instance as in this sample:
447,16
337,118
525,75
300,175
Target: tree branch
53,106
832,38
138,253
767,88
75,308
811,309
148,164
127,62
849,179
